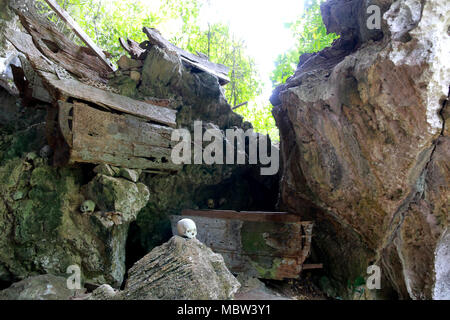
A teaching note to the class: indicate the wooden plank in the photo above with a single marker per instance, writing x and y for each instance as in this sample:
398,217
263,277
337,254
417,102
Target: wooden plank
79,32
103,137
310,266
219,70
80,61
75,89
244,215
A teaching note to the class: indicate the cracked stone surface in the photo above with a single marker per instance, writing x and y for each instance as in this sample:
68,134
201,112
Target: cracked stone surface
365,146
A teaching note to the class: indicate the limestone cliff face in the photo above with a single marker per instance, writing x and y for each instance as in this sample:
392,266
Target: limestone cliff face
365,146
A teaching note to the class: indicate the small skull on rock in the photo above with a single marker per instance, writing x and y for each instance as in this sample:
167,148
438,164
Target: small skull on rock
187,228
87,206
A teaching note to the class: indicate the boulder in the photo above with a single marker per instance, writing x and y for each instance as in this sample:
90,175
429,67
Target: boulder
42,287
180,269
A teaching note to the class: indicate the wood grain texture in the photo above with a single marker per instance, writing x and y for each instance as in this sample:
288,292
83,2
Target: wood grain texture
80,61
133,48
78,90
118,140
24,43
270,245
201,63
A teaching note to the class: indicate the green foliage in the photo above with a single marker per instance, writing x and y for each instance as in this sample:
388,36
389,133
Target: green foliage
312,36
260,115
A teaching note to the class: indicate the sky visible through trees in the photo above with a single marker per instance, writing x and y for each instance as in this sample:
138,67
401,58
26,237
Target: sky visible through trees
260,41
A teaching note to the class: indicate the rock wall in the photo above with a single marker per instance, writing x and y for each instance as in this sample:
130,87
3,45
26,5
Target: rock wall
44,228
365,146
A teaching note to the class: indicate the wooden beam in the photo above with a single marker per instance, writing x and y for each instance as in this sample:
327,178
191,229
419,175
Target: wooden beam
201,63
256,216
74,89
119,140
79,32
309,266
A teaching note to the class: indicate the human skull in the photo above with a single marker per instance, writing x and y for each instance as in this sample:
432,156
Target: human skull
187,228
87,206
45,152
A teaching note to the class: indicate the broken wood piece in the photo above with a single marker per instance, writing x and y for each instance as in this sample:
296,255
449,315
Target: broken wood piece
268,245
257,216
24,43
133,48
201,63
79,32
96,136
75,89
80,61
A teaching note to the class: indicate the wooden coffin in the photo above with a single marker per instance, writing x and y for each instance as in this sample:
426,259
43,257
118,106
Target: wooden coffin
121,140
267,245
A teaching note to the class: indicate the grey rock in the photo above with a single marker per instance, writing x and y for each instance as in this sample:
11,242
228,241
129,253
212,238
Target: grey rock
180,269
87,206
42,287
402,17
442,266
104,292
105,169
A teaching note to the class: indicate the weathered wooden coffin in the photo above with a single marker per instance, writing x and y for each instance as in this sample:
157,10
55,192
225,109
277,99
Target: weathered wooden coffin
267,245
123,140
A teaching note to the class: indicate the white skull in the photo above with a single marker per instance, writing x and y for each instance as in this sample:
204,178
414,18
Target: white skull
187,228
87,206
